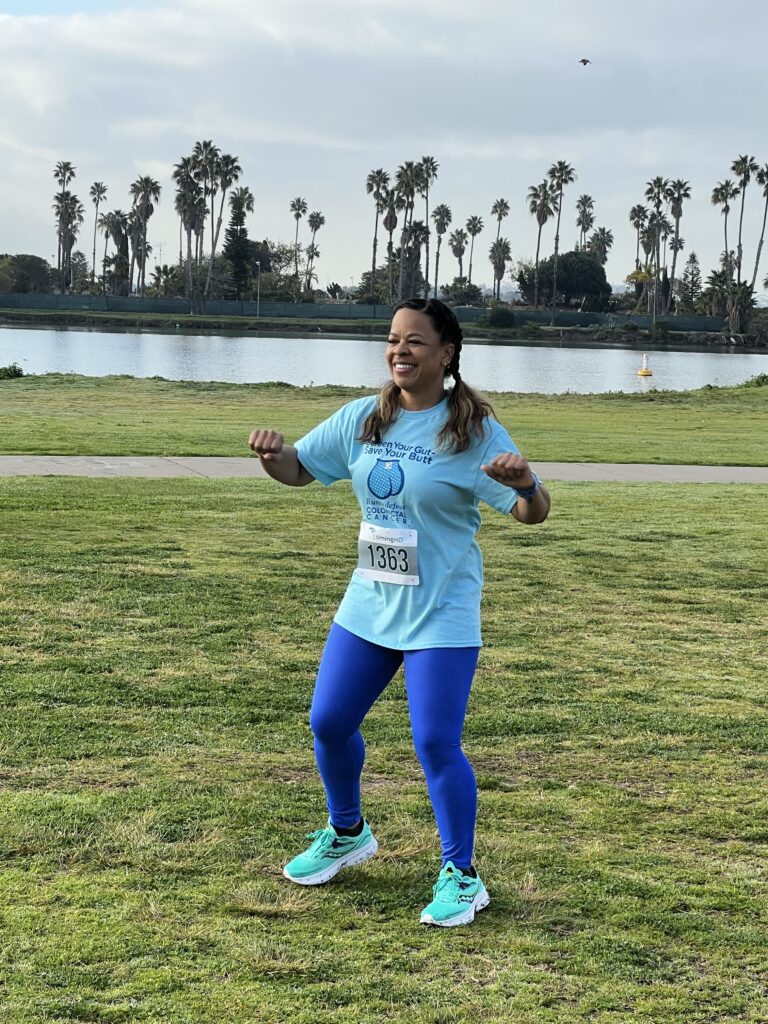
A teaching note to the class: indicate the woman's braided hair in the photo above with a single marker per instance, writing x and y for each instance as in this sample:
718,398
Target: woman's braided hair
467,409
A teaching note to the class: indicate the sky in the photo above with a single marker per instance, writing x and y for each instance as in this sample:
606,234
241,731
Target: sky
312,96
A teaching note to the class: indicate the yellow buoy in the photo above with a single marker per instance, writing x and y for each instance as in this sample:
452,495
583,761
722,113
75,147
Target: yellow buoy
645,370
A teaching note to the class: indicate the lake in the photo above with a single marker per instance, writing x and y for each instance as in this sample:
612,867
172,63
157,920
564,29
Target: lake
325,359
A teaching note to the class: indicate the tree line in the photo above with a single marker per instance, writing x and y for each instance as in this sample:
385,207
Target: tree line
206,182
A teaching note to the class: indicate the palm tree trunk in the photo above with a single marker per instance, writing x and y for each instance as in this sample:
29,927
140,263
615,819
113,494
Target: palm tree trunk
536,271
181,254
215,238
437,264
373,261
296,258
727,254
557,249
471,252
391,279
637,252
674,265
403,236
426,250
738,247
104,264
189,265
760,243
93,264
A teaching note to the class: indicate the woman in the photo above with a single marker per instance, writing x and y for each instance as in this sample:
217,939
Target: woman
420,459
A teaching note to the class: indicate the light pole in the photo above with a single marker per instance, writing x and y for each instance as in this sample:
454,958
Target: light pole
258,287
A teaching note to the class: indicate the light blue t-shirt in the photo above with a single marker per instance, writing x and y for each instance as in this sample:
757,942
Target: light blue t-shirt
406,484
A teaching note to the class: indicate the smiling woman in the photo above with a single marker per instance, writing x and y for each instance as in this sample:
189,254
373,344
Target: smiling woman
420,459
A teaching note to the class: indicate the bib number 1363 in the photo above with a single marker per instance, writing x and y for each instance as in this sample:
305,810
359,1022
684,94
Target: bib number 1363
386,555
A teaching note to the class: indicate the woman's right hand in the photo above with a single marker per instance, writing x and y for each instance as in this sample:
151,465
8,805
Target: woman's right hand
267,444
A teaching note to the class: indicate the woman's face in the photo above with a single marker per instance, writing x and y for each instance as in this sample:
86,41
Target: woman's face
416,355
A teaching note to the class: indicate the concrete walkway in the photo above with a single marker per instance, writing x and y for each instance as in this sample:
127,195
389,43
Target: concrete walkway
216,468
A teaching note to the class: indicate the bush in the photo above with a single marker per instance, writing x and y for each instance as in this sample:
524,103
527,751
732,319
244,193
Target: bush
760,381
659,331
499,316
8,372
630,325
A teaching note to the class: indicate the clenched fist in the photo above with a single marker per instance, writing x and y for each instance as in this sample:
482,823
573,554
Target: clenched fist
266,443
511,470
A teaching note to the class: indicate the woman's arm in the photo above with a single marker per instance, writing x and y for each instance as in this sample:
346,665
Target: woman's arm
514,471
279,460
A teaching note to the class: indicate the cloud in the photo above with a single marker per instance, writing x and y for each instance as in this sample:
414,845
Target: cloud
311,96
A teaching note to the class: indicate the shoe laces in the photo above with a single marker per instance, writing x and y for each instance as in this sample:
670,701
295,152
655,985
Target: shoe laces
322,837
447,885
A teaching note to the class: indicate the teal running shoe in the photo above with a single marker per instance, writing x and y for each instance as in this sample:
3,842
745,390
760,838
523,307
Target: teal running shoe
328,854
455,898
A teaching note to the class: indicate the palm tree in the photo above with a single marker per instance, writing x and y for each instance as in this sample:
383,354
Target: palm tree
406,184
104,227
474,227
298,209
63,173
189,196
205,159
743,167
315,221
677,192
542,204
499,210
458,243
98,194
500,254
599,244
377,184
116,225
762,179
70,213
417,237
656,194
145,192
638,218
390,225
560,174
228,171
427,175
584,217
441,215
722,194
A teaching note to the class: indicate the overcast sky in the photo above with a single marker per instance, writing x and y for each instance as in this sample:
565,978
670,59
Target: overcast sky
313,95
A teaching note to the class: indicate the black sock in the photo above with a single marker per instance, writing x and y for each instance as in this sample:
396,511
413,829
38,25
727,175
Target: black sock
468,871
358,828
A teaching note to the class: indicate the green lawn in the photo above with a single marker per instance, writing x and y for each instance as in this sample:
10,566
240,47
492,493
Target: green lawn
158,641
72,415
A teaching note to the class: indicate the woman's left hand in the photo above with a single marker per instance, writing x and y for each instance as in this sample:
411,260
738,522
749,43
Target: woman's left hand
511,470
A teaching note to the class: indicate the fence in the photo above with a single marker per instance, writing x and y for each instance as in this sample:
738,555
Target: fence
335,311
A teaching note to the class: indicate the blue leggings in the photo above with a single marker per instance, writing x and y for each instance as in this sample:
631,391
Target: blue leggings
353,673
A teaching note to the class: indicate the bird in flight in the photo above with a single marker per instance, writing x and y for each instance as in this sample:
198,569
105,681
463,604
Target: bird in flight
585,61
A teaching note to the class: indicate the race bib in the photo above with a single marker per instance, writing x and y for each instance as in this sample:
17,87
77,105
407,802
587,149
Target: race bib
386,555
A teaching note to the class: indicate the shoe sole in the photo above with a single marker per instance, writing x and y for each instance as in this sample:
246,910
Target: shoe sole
355,857
480,903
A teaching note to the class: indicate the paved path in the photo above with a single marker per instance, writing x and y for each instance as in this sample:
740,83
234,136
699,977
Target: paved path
214,467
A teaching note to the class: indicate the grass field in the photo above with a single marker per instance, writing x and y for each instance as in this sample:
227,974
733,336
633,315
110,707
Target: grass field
158,641
72,415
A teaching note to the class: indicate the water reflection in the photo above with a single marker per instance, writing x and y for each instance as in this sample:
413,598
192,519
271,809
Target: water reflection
319,359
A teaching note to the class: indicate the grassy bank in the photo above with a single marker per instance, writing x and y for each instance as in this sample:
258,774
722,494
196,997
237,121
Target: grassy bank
158,646
71,415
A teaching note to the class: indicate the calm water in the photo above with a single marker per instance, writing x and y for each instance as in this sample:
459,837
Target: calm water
321,359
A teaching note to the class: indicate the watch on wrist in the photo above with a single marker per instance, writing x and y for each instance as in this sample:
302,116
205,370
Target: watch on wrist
528,493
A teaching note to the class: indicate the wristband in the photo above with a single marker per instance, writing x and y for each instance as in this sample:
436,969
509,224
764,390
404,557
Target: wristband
528,493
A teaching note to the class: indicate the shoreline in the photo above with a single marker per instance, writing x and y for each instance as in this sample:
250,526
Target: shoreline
528,333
